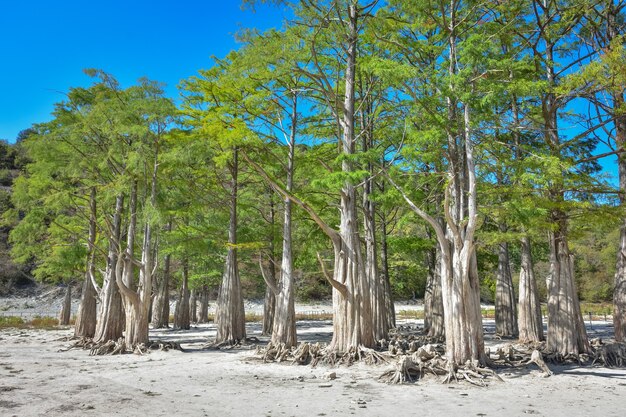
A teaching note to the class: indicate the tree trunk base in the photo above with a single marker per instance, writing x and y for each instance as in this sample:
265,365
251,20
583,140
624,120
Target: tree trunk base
119,347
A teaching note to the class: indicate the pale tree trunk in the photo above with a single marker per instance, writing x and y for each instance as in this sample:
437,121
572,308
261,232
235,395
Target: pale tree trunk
530,320
127,267
284,330
506,319
181,314
161,305
619,291
110,324
433,303
230,315
204,305
193,306
460,287
566,329
87,310
138,301
384,262
66,307
269,304
378,294
352,313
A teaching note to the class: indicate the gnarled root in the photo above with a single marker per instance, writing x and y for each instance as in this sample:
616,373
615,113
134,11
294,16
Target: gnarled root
612,355
118,347
142,348
537,358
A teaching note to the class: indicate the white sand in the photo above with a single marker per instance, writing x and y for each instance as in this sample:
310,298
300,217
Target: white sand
36,380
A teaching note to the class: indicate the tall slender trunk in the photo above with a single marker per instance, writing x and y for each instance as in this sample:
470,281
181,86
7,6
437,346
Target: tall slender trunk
380,317
352,312
619,292
128,268
460,287
193,306
506,318
384,263
530,320
181,318
230,315
110,324
161,305
87,310
284,329
204,305
566,329
269,304
433,303
66,307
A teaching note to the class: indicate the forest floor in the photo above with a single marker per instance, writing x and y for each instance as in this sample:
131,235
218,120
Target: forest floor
38,378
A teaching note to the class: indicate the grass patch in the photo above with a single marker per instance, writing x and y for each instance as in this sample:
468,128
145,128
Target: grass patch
11,321
38,322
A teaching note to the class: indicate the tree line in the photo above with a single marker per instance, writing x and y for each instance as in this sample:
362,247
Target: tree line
360,143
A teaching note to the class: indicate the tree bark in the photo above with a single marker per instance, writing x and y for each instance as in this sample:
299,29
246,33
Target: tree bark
506,319
66,307
352,312
619,291
161,305
181,318
87,310
384,262
269,304
193,307
230,314
378,293
433,303
530,320
204,305
110,324
566,329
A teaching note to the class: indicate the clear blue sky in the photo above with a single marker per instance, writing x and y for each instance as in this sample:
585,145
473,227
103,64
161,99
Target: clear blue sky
45,45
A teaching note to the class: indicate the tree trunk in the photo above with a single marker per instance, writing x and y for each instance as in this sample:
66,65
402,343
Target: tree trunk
384,262
110,324
204,305
193,307
619,292
352,312
127,266
433,303
284,330
506,320
566,329
87,310
66,307
230,315
380,316
530,320
269,304
181,318
161,305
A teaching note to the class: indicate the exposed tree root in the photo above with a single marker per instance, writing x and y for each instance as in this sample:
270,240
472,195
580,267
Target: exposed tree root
118,347
248,343
612,355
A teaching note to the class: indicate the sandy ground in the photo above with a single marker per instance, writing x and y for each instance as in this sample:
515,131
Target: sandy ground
38,379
